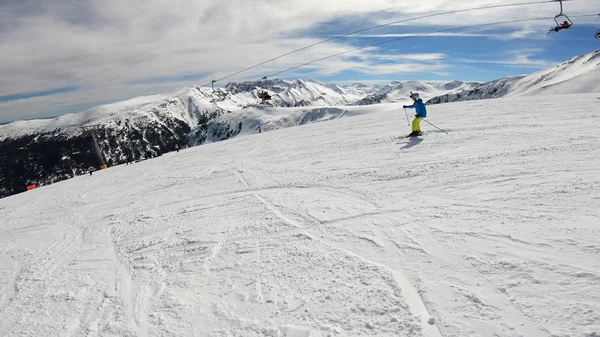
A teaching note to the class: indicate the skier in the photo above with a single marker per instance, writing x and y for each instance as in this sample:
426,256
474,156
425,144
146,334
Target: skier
419,106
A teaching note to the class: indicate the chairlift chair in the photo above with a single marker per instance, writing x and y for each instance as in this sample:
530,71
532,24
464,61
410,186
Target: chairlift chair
264,95
560,19
561,15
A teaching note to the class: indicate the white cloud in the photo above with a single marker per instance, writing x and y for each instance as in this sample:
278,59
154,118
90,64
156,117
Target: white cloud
523,60
414,57
548,9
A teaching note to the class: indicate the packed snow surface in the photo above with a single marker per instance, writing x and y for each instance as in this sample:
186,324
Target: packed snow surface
339,228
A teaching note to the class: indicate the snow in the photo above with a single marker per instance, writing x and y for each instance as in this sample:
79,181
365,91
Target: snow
581,74
399,91
339,228
262,118
578,75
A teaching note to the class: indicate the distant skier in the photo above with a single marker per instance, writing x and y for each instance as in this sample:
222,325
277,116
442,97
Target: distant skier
419,106
564,25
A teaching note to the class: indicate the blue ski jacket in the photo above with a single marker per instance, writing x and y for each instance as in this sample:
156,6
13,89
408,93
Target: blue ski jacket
419,106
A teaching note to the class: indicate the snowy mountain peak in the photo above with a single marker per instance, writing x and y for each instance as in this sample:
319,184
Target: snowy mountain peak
276,85
399,91
453,85
580,74
585,58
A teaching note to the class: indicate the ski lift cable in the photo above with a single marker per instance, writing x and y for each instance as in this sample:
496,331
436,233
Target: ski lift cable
419,35
385,25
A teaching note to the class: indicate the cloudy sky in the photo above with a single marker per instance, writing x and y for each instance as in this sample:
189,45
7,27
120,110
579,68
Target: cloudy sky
61,56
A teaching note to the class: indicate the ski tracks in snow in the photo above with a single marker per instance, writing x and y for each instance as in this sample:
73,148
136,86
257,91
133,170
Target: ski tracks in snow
329,229
482,301
39,274
319,233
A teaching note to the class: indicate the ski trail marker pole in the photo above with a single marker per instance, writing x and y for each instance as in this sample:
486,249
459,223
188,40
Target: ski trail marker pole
436,127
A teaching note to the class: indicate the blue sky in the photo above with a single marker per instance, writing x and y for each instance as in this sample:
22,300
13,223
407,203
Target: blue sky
67,56
27,95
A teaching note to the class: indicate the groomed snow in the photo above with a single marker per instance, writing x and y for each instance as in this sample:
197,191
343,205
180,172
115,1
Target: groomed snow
338,228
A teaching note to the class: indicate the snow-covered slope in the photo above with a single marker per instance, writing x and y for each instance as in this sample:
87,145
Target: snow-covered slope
361,90
302,92
580,74
400,91
258,119
264,118
330,229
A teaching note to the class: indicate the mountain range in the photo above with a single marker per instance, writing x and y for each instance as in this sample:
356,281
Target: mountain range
48,150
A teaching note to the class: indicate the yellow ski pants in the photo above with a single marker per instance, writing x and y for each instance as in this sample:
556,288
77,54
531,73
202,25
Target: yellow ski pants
416,124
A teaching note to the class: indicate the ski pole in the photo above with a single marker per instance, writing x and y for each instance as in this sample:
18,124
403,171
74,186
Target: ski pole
407,120
435,127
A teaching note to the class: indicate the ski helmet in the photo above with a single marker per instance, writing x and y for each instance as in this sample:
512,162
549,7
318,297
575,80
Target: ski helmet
415,95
